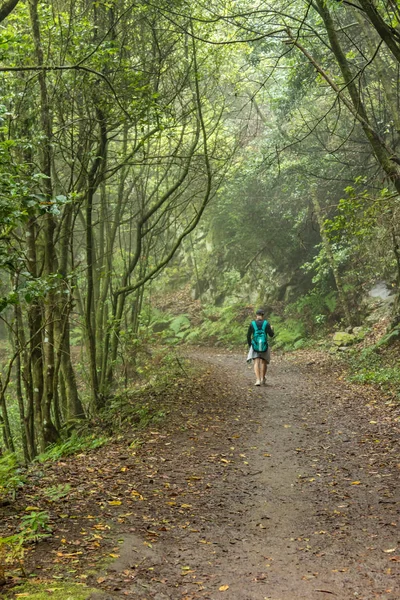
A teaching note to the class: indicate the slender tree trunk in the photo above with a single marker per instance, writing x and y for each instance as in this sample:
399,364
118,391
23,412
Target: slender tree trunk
90,314
27,380
73,406
5,421
50,432
35,366
20,343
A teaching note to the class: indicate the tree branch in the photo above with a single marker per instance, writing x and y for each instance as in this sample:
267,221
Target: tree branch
6,8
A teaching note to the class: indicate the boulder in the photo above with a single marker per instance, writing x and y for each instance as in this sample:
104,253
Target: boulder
342,338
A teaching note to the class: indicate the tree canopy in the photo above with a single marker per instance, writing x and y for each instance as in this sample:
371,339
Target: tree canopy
253,146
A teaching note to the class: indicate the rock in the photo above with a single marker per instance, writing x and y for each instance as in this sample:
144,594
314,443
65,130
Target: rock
380,290
342,338
161,326
379,309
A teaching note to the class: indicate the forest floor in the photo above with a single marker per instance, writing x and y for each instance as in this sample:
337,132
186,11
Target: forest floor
284,492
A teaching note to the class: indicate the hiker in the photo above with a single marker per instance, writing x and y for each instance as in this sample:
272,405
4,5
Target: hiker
259,350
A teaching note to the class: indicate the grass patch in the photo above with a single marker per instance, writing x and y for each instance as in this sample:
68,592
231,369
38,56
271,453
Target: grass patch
73,445
57,591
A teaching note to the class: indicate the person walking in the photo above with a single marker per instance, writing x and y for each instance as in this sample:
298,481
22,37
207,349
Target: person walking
259,350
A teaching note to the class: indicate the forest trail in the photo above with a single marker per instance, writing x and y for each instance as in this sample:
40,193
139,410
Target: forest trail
285,492
303,502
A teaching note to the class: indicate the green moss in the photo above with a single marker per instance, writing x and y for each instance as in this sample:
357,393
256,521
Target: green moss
57,591
341,338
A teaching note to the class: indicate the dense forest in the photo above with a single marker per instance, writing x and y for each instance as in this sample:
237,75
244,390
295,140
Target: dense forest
245,151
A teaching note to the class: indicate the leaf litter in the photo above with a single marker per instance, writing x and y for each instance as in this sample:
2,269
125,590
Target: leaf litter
182,515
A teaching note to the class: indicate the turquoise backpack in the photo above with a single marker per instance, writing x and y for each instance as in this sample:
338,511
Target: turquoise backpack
260,341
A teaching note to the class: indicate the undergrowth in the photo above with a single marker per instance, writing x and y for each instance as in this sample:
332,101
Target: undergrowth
142,402
376,365
226,327
41,590
72,445
11,477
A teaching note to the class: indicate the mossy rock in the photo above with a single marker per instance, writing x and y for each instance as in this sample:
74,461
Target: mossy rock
342,338
53,589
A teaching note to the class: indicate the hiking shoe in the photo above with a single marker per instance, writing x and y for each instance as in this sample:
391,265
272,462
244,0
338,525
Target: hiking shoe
264,381
258,382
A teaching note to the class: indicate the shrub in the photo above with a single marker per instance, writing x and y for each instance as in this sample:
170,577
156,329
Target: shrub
10,476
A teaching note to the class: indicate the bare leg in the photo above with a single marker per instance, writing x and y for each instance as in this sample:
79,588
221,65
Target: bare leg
264,366
257,369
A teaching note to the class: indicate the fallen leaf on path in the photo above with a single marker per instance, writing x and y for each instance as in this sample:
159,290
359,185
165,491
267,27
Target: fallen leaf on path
137,495
223,588
390,550
355,482
115,502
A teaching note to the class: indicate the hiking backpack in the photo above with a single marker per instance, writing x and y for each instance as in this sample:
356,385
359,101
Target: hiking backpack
259,341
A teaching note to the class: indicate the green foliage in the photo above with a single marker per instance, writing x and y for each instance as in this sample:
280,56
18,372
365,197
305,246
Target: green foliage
56,492
291,334
384,377
170,329
11,478
71,446
180,325
12,553
35,526
373,366
131,408
226,326
42,590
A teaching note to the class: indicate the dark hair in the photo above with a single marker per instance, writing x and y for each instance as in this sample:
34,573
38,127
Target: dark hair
260,311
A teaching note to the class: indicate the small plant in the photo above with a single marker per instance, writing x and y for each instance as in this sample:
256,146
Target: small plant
56,492
35,526
11,478
12,553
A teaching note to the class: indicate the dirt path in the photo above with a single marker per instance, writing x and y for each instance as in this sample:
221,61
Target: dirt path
288,492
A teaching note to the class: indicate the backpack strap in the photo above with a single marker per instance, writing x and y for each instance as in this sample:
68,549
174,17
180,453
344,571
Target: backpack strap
262,328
